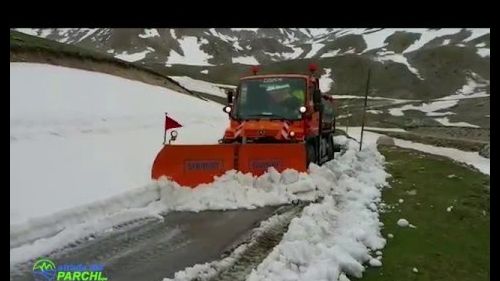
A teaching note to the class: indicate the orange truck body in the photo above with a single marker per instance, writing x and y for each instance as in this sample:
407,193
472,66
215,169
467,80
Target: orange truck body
252,145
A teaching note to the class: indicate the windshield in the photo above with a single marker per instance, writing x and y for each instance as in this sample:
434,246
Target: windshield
275,98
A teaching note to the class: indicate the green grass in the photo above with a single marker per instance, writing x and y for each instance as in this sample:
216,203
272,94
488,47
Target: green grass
445,245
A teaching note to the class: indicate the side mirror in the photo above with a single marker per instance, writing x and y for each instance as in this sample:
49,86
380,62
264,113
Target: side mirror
230,97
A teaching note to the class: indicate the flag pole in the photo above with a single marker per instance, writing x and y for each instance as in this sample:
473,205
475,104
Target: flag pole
165,131
364,108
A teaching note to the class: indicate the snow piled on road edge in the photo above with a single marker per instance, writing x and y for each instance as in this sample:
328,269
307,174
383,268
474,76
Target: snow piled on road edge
337,235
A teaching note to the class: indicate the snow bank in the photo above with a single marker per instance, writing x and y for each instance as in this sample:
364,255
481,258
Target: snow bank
200,85
336,235
79,136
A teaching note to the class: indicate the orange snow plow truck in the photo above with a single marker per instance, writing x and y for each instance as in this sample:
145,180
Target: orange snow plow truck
279,120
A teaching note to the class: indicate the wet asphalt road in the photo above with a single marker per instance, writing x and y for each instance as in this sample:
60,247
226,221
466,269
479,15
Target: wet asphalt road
151,250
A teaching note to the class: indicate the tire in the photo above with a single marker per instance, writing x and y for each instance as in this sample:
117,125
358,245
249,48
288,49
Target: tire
330,149
311,153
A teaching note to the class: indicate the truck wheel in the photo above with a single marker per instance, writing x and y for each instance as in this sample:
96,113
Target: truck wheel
311,153
330,149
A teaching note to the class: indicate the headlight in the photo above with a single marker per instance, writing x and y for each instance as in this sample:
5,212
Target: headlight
227,109
292,134
302,109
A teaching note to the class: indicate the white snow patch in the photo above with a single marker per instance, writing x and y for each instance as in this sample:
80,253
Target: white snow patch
390,235
245,29
29,31
428,108
446,122
336,235
295,54
204,71
401,200
330,54
446,42
449,209
399,130
325,81
374,111
89,32
415,270
471,89
149,33
199,85
245,60
376,39
481,45
428,35
398,58
315,47
172,33
133,57
375,263
193,55
470,158
477,32
403,222
483,52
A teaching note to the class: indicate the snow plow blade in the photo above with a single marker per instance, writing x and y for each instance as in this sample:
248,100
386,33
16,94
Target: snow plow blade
256,158
191,165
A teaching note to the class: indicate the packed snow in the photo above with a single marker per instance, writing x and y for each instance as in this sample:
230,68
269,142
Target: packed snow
446,122
336,235
246,60
199,86
193,55
98,132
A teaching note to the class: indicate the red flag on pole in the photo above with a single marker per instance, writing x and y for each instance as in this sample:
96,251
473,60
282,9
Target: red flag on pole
171,123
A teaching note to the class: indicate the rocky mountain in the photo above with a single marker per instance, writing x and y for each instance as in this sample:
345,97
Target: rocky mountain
406,63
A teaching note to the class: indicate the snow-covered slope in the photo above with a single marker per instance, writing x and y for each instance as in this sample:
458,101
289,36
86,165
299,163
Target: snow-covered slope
79,136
